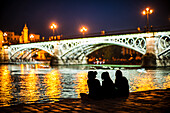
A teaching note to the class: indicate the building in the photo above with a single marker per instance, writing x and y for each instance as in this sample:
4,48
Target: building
1,38
3,49
24,35
9,38
34,37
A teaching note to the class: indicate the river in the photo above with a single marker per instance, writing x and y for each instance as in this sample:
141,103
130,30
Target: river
40,83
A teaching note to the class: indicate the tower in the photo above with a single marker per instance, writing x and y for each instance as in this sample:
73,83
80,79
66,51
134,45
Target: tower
1,38
24,36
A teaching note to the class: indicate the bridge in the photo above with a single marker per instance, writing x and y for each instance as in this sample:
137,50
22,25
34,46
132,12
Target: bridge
75,51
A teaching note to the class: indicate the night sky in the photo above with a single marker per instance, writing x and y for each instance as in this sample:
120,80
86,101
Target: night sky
70,15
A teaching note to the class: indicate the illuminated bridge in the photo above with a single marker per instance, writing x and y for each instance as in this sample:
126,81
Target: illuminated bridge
75,51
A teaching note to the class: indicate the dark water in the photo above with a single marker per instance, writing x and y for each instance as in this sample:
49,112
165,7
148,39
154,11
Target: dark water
40,83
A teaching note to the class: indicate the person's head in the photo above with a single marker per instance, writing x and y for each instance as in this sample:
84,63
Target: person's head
92,74
105,76
118,74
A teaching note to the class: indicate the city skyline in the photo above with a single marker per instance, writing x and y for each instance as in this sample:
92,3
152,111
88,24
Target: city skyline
71,15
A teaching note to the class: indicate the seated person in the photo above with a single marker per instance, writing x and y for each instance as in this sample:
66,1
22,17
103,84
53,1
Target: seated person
108,87
93,85
121,83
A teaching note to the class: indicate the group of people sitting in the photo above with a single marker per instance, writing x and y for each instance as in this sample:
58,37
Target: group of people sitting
108,89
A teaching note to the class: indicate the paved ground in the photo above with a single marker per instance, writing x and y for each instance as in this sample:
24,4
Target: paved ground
157,101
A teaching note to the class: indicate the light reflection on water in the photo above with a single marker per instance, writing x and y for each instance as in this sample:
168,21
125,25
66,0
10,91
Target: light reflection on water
40,83
53,84
81,85
5,86
30,87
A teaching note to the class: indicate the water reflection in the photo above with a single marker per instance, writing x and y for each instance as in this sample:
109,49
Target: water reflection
30,92
81,86
40,83
152,79
5,86
143,82
166,83
22,68
52,80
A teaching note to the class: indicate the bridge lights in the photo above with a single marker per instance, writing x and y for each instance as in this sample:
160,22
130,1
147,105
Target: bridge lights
146,12
83,30
53,27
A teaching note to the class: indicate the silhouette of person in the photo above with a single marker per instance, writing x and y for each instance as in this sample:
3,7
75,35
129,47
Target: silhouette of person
121,83
93,85
108,87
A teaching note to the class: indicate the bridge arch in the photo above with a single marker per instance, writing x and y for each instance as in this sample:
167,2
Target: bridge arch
31,47
126,46
81,51
91,47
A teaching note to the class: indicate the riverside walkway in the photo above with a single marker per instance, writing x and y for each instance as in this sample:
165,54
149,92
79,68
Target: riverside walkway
155,101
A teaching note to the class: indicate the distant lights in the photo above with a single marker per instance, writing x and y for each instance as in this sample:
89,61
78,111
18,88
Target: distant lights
31,36
5,34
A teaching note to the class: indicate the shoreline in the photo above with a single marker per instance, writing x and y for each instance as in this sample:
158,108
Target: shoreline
143,101
99,66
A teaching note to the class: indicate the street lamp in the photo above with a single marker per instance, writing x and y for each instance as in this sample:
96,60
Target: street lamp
53,27
146,12
83,30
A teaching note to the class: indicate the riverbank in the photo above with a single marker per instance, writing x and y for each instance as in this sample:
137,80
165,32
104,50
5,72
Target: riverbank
156,101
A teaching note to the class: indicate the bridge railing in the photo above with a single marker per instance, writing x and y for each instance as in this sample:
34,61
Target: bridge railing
120,32
107,33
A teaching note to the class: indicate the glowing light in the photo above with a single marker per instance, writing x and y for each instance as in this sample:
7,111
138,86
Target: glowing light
31,87
83,29
143,82
151,11
81,82
5,86
147,11
31,36
53,26
138,28
22,69
5,34
36,66
166,83
144,12
53,84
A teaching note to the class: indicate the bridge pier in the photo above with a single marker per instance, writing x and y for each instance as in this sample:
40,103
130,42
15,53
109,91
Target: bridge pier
151,58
